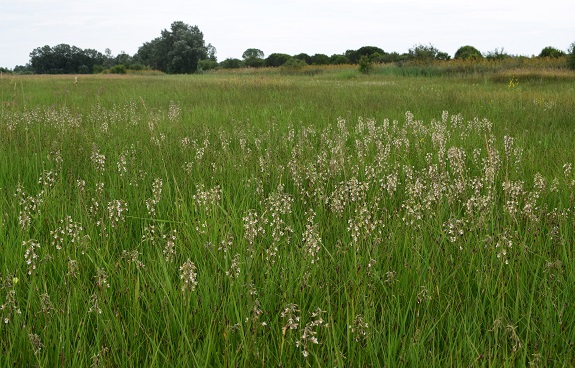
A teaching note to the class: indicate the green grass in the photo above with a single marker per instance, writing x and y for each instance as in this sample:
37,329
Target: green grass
393,220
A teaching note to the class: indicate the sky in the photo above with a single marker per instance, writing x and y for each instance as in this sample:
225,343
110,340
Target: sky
519,27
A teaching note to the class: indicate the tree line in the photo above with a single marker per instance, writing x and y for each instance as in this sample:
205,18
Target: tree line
182,50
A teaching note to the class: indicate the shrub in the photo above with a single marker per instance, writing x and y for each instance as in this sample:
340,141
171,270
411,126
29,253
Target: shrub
118,69
231,63
365,65
551,52
293,65
468,52
205,65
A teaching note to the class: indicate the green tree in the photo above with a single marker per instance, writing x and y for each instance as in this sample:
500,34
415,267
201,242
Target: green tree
497,54
468,52
277,59
231,63
426,54
320,59
551,52
176,51
571,56
338,59
253,54
303,56
254,58
64,59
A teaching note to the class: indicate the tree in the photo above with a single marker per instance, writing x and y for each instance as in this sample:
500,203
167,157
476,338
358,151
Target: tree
320,59
277,59
571,56
253,58
231,63
176,51
338,59
253,54
468,52
426,54
551,52
303,56
497,54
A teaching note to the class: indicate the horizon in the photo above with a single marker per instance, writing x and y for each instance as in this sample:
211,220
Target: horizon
293,27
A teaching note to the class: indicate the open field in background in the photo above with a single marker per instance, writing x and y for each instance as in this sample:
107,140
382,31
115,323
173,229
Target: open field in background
273,218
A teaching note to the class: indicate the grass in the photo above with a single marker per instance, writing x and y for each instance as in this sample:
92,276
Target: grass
264,219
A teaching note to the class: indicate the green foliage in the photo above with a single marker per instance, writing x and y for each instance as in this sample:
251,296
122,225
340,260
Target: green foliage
467,53
305,57
354,55
571,56
365,65
320,59
118,69
551,52
338,59
426,54
253,54
253,58
205,65
293,65
231,63
277,59
497,54
64,59
176,51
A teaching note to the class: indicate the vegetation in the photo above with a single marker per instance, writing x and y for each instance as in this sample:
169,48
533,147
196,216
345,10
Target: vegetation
468,52
177,51
253,218
551,52
571,56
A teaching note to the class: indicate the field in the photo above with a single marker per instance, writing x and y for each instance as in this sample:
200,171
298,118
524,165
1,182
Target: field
267,219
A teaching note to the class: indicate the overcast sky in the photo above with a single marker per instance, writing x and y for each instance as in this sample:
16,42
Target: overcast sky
521,27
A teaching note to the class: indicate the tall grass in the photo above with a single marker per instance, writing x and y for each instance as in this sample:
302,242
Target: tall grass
269,220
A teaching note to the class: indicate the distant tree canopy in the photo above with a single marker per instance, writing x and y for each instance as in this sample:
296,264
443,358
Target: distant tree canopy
176,51
425,54
253,58
277,59
65,59
551,52
468,52
354,55
497,54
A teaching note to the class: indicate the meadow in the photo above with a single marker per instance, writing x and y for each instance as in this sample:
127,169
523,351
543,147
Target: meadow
263,218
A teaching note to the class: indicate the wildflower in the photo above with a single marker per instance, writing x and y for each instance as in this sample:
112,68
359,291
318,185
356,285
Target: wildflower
360,329
36,343
30,255
310,238
169,250
116,209
234,271
188,274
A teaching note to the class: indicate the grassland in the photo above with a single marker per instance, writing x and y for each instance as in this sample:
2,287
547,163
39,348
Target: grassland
264,219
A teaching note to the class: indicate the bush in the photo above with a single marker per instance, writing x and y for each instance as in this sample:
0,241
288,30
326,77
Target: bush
468,52
205,65
365,65
551,52
118,69
293,65
231,63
